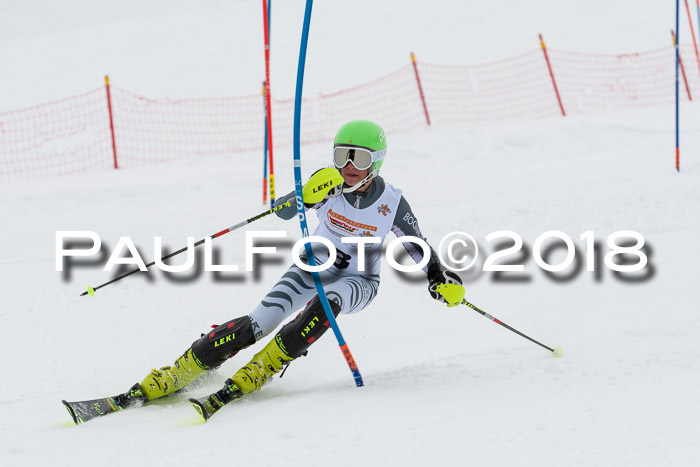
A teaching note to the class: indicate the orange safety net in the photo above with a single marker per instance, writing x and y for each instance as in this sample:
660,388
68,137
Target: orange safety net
73,135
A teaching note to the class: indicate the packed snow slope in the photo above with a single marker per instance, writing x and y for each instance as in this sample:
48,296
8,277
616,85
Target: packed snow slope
444,386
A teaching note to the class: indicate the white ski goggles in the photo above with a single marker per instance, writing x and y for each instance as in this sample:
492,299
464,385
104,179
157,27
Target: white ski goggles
361,158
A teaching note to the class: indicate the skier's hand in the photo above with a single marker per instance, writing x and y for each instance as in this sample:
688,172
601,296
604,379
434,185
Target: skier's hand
325,183
436,277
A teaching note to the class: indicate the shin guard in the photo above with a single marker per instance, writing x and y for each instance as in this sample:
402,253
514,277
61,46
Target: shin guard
298,335
223,342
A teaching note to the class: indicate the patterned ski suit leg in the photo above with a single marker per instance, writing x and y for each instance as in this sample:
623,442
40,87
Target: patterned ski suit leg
296,288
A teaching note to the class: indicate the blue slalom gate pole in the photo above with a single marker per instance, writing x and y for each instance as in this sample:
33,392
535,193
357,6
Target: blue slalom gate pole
697,3
678,152
300,198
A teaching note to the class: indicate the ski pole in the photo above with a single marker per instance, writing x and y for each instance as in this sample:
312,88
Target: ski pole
453,293
556,351
92,290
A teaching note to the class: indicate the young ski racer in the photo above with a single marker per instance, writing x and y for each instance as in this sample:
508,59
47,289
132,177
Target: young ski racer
351,201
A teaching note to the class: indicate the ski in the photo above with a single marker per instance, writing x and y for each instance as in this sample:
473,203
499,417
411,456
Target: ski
83,411
207,406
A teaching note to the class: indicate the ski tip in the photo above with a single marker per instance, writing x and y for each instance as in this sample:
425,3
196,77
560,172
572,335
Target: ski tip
199,407
75,418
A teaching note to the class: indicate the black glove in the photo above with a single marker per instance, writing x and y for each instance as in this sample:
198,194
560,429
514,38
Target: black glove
437,276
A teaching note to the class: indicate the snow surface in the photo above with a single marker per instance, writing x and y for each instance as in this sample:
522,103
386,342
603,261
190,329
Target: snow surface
443,386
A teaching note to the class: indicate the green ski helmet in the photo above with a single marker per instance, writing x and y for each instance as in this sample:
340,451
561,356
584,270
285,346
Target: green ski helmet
366,135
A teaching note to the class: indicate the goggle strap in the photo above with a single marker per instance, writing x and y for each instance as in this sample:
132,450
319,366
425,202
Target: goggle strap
359,184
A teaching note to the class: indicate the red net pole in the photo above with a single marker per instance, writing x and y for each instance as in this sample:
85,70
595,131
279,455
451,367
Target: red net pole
551,74
680,62
264,184
111,122
268,102
420,88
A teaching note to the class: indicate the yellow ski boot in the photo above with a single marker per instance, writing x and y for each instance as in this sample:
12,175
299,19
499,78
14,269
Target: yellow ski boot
170,379
266,363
